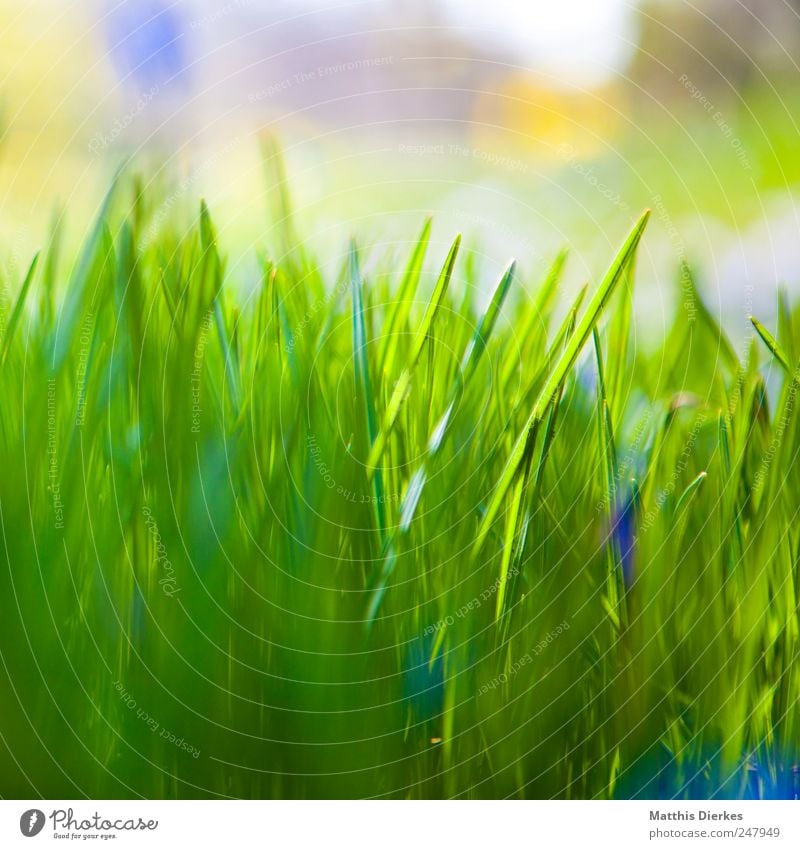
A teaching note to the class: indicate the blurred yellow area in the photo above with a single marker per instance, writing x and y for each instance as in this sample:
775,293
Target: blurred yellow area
52,76
523,116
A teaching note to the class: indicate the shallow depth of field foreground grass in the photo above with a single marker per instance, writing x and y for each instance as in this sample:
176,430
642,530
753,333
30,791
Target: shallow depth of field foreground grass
362,534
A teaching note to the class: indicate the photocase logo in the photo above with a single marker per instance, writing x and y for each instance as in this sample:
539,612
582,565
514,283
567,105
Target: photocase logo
31,822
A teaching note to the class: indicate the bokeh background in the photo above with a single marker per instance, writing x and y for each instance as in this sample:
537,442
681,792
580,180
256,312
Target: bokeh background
526,126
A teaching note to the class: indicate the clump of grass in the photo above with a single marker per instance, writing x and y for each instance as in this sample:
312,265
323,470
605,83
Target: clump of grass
333,537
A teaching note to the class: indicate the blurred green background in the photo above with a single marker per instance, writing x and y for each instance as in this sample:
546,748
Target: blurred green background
525,126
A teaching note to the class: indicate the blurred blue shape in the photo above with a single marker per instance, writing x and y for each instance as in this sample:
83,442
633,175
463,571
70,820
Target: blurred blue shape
423,678
623,533
146,42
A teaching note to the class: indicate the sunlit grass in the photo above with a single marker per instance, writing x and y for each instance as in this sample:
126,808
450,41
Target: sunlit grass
343,538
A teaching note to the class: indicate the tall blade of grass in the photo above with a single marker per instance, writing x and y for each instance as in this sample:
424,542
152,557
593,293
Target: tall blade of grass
96,266
785,331
608,453
208,243
619,333
771,343
563,366
555,350
551,418
403,384
363,387
361,366
539,309
229,356
50,270
515,524
98,248
731,487
398,316
477,345
469,364
18,307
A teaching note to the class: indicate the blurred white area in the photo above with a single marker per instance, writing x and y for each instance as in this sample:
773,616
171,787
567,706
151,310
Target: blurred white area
526,125
581,42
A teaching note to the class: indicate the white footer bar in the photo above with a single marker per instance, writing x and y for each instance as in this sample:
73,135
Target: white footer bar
400,825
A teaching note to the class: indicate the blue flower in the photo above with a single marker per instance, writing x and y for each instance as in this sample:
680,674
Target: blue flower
146,41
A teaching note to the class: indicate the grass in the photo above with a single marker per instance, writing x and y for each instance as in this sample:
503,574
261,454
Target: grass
339,537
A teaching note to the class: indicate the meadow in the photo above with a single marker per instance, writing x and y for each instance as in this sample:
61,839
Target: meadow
361,532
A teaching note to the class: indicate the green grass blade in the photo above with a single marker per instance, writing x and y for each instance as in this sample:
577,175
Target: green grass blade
563,366
469,364
404,300
18,307
690,490
515,524
403,384
363,387
539,309
769,340
608,454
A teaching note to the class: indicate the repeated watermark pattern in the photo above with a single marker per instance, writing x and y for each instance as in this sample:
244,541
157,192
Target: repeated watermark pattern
719,119
85,340
480,155
168,582
683,461
524,660
197,369
568,153
100,141
53,485
301,78
471,605
219,14
152,723
676,240
330,482
780,429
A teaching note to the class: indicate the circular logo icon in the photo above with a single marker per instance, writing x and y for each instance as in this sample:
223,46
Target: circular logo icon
31,822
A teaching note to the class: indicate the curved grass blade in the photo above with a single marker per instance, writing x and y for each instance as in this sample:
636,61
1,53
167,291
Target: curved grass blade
563,366
95,261
469,364
614,555
564,331
404,299
361,378
769,340
403,384
619,332
18,307
730,498
539,308
515,523
785,331
690,491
